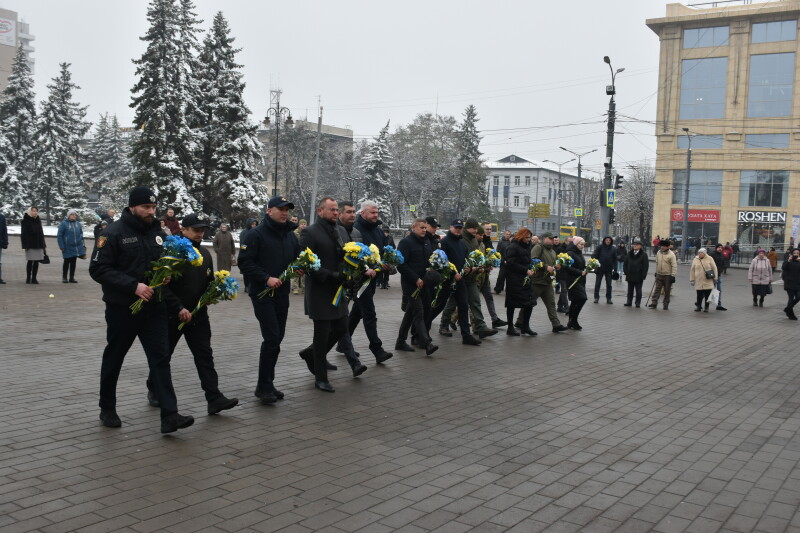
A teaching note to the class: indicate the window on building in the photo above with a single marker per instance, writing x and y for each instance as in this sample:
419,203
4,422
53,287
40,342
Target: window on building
506,191
761,235
494,190
705,187
766,140
496,181
527,181
516,201
701,142
516,181
703,86
771,85
526,201
764,188
770,32
505,201
702,37
507,180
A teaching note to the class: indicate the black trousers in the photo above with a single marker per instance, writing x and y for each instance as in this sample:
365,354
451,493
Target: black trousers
364,308
415,315
577,298
702,294
501,279
150,325
637,287
605,275
460,294
326,334
198,338
794,297
271,313
69,267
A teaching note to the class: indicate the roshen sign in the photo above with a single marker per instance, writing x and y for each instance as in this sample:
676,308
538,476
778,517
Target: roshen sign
764,217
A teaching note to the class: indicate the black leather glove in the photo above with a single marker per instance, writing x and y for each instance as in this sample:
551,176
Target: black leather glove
672,279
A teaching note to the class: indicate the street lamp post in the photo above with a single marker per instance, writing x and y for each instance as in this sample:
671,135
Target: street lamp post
612,114
685,231
559,187
278,112
580,204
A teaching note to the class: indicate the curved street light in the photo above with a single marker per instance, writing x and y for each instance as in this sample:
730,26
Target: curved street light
278,112
559,165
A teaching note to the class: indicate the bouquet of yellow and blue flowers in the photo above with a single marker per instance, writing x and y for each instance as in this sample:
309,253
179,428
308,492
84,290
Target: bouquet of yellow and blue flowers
475,260
493,257
223,288
307,261
591,265
391,258
358,258
177,255
563,259
535,266
438,263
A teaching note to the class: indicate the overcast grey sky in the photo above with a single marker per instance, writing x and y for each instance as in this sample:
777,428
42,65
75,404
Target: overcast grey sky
525,64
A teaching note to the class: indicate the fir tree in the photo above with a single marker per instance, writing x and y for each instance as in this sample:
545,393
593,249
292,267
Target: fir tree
472,196
94,163
230,150
14,196
376,167
56,152
162,154
118,167
18,115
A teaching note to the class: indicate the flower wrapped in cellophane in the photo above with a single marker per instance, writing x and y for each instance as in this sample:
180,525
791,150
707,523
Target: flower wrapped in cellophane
475,260
437,263
493,257
392,256
591,265
177,255
535,266
446,270
358,258
307,261
564,259
223,288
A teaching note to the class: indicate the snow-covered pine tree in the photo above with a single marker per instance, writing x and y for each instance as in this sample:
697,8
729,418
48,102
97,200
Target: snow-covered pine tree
376,167
56,153
472,197
14,196
162,154
118,167
94,161
230,149
18,115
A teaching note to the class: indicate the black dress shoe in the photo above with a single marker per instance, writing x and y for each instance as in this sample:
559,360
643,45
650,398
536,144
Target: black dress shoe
512,331
720,308
221,404
152,399
383,356
330,366
109,418
324,386
413,341
64,280
266,397
528,331
499,323
430,348
359,369
445,332
483,333
559,328
627,305
278,394
403,347
577,326
174,422
470,340
73,281
308,357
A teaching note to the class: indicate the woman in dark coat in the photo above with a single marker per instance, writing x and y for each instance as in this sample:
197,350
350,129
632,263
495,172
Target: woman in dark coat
32,237
518,269
577,294
791,282
636,265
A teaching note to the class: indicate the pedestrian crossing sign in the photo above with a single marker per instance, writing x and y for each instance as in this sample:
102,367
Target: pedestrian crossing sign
611,196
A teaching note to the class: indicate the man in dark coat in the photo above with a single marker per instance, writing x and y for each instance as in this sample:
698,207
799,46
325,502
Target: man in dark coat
330,321
3,244
182,295
635,268
416,250
264,254
368,224
559,247
606,253
121,257
719,260
502,247
383,276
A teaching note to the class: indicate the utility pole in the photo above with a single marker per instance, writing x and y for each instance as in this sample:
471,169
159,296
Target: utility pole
559,188
580,204
313,210
685,232
612,114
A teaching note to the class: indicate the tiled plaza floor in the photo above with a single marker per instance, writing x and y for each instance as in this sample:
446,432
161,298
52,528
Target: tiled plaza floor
644,421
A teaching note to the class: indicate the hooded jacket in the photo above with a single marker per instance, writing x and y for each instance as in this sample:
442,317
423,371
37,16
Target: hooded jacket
607,255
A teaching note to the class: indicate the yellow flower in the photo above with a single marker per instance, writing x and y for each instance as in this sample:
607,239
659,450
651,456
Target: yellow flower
199,261
351,247
221,274
453,267
376,253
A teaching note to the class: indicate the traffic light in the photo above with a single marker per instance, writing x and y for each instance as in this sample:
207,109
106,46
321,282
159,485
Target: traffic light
618,181
611,216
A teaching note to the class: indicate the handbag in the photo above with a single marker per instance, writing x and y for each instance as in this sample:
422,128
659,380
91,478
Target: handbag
709,274
769,287
46,260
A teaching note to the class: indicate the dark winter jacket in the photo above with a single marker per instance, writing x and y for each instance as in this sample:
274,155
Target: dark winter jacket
453,245
607,255
388,240
31,233
370,233
622,253
353,235
416,251
791,275
636,266
518,261
719,259
265,253
243,233
185,292
70,239
434,239
575,271
502,246
321,286
487,242
3,232
122,256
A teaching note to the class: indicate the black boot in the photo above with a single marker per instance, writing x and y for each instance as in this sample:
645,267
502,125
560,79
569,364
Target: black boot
761,301
705,310
34,272
28,270
526,326
755,301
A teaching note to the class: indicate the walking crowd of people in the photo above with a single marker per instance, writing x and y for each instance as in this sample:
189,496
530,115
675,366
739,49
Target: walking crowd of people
535,270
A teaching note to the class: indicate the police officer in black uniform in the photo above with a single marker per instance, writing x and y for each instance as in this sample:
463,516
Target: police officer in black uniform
121,257
182,296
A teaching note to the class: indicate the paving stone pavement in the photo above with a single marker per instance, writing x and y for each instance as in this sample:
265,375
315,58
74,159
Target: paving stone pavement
644,421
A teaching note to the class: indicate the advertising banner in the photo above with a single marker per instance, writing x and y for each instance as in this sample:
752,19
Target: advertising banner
8,32
696,215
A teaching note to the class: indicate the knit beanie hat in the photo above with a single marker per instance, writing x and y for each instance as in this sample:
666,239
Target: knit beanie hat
472,223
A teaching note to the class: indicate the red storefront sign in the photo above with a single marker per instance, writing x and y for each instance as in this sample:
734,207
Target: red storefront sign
696,215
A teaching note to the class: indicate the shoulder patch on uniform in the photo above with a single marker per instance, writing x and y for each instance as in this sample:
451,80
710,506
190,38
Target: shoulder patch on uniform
159,240
101,241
